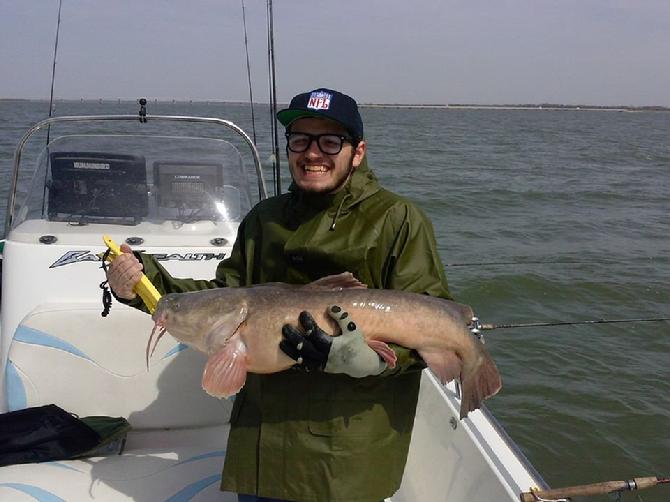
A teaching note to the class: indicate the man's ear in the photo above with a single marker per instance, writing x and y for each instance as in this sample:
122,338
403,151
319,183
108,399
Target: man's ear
359,154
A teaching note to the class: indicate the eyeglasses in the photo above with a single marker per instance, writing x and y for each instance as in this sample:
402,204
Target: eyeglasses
330,144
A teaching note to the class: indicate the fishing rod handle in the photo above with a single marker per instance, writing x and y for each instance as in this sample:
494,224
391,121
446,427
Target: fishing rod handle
585,490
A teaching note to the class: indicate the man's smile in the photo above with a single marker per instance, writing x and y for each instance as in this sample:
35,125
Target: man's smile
315,168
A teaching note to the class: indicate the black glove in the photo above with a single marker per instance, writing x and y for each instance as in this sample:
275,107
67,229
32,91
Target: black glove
316,350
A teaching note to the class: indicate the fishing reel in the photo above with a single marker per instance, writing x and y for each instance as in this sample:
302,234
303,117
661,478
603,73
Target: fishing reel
476,328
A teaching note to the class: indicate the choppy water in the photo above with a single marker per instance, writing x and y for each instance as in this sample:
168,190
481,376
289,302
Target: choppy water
574,207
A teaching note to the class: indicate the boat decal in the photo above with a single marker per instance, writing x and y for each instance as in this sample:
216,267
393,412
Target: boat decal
218,453
36,337
175,350
85,255
188,256
36,492
188,492
16,391
75,257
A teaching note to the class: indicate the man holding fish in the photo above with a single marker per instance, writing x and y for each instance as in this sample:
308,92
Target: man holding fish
337,426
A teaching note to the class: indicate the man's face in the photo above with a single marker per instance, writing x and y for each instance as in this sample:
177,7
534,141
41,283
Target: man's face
317,172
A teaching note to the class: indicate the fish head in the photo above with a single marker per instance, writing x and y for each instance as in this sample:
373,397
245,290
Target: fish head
202,319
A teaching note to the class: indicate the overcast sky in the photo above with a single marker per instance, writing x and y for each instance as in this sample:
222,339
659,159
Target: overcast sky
604,52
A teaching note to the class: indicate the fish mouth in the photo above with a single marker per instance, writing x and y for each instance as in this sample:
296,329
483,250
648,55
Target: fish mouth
159,330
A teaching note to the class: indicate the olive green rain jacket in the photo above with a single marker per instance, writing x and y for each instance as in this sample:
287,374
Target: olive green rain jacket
321,437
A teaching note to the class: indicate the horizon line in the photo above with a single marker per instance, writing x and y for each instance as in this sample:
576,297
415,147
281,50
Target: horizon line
545,105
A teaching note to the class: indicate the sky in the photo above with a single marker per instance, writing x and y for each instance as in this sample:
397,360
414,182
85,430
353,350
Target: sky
601,52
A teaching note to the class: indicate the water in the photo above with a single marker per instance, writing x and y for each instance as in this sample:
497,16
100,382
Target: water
575,204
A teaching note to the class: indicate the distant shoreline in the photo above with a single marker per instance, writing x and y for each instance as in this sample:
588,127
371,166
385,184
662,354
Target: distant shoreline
436,106
550,107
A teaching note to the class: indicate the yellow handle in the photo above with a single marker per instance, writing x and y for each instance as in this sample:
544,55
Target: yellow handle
144,288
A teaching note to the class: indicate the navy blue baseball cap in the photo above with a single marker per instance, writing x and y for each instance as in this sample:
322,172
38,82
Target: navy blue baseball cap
324,103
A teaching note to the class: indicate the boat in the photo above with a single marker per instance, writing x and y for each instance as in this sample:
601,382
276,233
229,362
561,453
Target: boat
179,196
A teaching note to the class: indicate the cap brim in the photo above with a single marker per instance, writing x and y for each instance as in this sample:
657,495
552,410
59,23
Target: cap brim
288,116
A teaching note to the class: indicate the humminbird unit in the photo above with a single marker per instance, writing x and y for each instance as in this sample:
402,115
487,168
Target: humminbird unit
189,191
93,187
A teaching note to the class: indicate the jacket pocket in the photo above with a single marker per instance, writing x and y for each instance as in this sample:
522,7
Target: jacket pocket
332,418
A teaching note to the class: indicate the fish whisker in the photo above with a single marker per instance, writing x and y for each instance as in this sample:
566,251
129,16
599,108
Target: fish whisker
160,329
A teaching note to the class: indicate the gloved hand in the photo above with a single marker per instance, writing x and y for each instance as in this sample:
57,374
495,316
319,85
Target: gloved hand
348,353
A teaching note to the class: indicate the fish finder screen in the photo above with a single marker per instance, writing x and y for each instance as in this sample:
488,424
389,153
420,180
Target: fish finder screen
96,186
188,191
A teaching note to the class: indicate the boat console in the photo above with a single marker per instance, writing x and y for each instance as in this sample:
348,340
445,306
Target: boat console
89,185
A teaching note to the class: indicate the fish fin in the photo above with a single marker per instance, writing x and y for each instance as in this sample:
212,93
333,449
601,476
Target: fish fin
478,383
445,364
384,351
345,280
226,370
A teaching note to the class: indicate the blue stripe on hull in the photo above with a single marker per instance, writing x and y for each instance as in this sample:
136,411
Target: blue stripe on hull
190,491
16,391
35,492
36,337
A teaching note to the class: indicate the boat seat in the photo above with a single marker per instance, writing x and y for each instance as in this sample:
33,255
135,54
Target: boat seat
68,354
167,466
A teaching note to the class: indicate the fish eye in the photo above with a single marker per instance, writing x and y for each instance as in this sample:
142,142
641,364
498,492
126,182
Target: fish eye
172,301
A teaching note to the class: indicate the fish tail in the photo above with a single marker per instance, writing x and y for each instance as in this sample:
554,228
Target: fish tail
478,382
444,363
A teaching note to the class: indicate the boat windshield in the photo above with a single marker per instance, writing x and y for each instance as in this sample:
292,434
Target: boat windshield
130,179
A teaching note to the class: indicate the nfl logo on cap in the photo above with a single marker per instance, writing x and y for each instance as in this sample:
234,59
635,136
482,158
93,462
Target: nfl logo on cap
327,104
319,100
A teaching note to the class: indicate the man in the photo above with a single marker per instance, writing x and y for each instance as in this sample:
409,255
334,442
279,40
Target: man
320,435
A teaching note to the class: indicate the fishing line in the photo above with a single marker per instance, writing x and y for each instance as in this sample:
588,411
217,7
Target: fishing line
53,69
551,262
251,95
538,262
490,326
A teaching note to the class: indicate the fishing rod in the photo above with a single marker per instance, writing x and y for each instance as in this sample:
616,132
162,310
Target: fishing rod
273,97
251,95
604,488
53,69
51,97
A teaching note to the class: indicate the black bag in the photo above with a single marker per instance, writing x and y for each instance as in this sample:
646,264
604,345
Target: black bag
44,433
